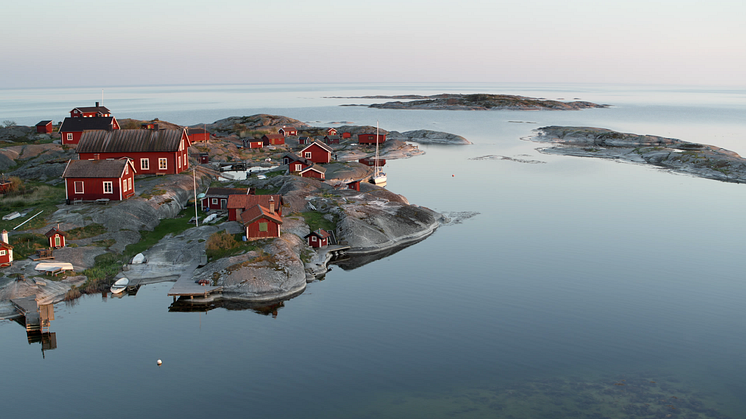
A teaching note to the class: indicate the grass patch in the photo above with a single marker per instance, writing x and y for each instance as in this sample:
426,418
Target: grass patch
223,244
101,275
316,220
165,227
34,197
263,191
91,230
25,245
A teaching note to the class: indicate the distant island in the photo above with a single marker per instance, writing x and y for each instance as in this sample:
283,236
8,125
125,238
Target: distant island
701,160
479,102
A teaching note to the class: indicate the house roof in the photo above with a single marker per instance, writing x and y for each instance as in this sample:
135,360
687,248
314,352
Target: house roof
256,212
274,136
192,131
89,109
108,168
288,129
5,245
247,201
320,144
315,168
54,231
320,233
227,191
130,141
83,124
44,123
296,158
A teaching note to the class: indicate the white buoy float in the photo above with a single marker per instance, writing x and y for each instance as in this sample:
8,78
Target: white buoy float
159,362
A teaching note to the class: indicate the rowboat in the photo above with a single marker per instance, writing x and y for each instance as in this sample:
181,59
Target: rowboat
120,285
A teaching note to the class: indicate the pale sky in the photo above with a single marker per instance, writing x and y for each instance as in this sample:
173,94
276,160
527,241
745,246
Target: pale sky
52,43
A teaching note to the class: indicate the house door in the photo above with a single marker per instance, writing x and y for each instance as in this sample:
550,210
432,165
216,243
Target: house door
223,203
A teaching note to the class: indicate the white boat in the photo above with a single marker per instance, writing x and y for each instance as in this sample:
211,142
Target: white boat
12,216
120,285
379,178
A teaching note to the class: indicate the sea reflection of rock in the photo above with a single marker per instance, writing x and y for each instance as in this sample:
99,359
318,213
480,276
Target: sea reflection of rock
204,305
640,396
355,261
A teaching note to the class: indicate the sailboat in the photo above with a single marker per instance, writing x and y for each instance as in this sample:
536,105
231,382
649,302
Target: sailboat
379,178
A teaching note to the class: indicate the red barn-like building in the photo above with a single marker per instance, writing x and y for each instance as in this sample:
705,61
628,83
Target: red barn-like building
56,237
317,152
89,180
160,152
371,138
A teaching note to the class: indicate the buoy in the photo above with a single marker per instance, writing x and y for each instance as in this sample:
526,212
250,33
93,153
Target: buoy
159,362
453,175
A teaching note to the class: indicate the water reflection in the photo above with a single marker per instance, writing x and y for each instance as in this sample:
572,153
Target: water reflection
196,306
350,262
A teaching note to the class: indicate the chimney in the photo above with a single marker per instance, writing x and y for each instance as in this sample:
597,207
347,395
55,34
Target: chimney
271,205
5,237
97,104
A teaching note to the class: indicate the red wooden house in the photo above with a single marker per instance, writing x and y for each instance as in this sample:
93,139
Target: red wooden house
161,152
217,198
273,139
331,139
318,238
304,140
371,138
317,152
6,250
371,161
237,204
56,237
295,163
287,131
89,180
249,143
72,129
331,131
261,223
90,112
354,185
314,171
198,134
346,135
44,127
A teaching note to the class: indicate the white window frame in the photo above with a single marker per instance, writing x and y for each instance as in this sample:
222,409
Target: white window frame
57,240
3,252
214,201
82,186
108,187
307,154
298,167
162,163
69,136
313,238
144,163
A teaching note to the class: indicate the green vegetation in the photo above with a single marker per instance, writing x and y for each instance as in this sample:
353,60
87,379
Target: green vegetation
32,197
102,273
25,245
91,230
316,220
223,244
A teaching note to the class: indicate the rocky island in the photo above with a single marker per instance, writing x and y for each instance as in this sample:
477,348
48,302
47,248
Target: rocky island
702,160
372,221
480,102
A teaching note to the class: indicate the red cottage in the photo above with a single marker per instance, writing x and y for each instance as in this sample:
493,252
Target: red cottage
354,185
261,223
44,127
56,237
72,129
198,134
317,152
295,163
89,180
6,250
273,139
331,131
217,198
252,143
237,204
318,238
160,152
90,112
287,131
331,139
315,171
346,135
371,138
304,140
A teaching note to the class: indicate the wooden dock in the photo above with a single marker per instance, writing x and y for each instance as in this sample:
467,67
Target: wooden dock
37,317
186,287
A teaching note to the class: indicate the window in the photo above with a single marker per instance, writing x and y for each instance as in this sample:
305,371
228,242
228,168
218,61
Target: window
3,253
298,167
69,136
308,155
126,170
78,186
214,201
178,162
107,187
57,241
313,238
145,164
162,163
263,227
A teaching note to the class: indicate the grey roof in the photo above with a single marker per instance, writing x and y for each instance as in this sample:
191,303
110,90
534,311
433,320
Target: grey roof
109,168
315,167
86,109
83,124
130,141
320,144
44,123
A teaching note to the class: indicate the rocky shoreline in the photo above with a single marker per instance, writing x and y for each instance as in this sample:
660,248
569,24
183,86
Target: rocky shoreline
701,160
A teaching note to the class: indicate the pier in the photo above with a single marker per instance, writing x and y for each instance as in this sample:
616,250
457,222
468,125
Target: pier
186,287
38,317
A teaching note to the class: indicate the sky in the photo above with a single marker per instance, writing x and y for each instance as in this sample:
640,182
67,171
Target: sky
49,43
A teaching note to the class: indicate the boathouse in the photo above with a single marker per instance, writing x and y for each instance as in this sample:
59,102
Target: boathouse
56,237
318,238
317,152
153,152
90,180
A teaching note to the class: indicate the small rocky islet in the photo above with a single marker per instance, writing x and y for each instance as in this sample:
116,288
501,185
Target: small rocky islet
479,102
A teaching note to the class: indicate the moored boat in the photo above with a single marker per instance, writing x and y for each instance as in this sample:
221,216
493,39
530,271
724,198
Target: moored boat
120,285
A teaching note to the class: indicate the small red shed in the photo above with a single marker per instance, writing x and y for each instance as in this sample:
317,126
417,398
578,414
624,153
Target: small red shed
314,171
273,139
346,135
354,185
331,131
252,143
371,138
204,158
6,250
287,131
318,238
56,237
44,127
261,223
198,134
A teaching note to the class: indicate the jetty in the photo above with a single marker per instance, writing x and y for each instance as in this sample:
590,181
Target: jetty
185,286
38,317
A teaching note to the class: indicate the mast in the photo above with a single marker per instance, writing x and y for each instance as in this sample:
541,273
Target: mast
375,162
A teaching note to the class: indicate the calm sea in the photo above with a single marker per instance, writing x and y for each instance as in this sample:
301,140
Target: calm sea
583,288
